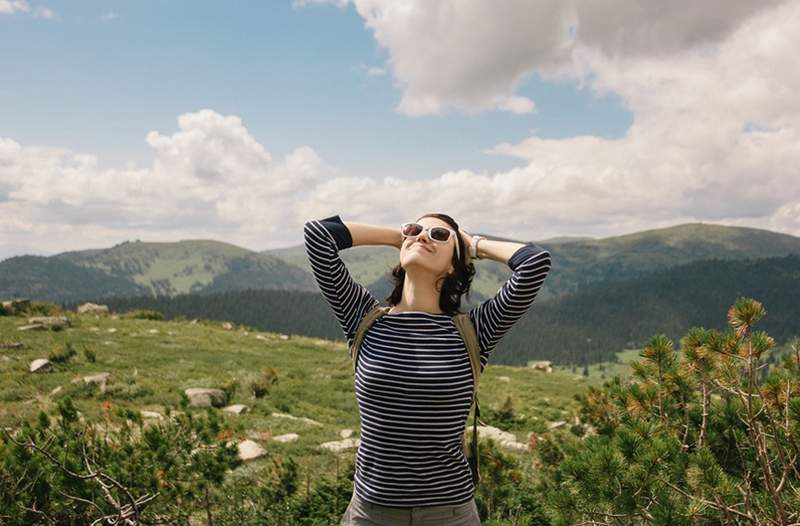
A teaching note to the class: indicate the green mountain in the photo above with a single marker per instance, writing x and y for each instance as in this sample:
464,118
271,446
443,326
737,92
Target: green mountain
588,326
208,266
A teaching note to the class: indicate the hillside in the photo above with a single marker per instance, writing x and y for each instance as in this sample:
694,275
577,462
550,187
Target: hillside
207,266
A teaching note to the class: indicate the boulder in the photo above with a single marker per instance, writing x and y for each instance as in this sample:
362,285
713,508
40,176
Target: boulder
346,433
93,308
51,322
339,445
100,379
228,326
250,450
504,438
288,437
556,425
15,307
40,365
205,397
235,409
304,419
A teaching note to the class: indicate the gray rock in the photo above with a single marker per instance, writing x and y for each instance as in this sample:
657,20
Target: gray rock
205,397
250,450
288,437
40,365
236,409
339,445
92,308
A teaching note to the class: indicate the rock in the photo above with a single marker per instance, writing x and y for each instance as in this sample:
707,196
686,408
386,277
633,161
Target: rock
34,327
15,307
504,438
40,365
93,308
228,326
504,378
51,322
304,419
250,450
151,414
346,433
111,329
284,336
99,379
288,437
193,322
339,445
556,425
543,365
205,397
236,409
153,331
260,337
56,390
12,345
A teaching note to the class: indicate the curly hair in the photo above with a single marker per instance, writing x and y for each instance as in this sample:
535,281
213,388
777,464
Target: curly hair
455,284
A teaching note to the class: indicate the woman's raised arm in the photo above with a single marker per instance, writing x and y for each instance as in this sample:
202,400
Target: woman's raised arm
349,300
366,234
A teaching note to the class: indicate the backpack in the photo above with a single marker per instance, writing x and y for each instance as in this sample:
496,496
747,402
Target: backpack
467,331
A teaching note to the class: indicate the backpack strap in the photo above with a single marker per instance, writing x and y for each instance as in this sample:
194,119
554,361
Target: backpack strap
366,322
467,330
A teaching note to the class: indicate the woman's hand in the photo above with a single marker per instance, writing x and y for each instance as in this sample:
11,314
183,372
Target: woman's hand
467,238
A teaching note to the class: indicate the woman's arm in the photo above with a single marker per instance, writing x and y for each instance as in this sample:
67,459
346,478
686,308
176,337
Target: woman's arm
349,300
494,317
366,234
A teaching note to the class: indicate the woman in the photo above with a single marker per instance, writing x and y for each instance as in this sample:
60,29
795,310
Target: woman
413,378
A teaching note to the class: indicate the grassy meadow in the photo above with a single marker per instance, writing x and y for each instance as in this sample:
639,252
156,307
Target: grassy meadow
151,362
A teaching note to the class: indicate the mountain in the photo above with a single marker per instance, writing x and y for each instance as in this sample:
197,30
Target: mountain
207,266
588,326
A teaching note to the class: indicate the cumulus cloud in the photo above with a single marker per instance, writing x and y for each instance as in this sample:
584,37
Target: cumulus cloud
715,137
9,7
209,176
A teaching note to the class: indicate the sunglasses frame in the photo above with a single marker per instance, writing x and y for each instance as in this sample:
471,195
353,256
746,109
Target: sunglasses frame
427,229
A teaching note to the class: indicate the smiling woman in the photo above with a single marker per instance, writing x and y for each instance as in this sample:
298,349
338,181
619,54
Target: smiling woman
413,377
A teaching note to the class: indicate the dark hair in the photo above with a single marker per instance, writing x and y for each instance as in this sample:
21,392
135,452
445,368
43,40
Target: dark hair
455,284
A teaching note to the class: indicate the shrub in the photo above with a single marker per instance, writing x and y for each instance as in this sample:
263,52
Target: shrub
143,314
59,355
261,385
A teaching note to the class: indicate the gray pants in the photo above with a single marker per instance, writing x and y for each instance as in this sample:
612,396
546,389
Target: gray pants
363,513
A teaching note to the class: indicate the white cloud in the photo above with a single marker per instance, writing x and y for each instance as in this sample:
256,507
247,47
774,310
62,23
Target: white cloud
304,3
111,15
9,7
207,178
376,72
715,138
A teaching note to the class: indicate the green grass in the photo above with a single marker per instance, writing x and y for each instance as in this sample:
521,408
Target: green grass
315,379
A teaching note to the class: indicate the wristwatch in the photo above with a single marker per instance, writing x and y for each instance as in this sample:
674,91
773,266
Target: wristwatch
473,246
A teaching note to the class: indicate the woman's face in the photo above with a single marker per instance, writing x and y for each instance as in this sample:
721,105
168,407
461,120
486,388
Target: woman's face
425,253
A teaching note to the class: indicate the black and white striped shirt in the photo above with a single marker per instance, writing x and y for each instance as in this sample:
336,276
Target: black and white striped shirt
413,379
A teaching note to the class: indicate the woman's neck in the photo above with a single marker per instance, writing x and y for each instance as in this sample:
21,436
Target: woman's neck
418,297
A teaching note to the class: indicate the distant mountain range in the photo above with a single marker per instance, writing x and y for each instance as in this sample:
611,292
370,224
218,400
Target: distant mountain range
166,269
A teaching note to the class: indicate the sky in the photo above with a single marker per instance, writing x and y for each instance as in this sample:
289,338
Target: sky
169,120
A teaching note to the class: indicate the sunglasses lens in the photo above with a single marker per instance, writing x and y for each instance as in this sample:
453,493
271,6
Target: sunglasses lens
411,229
440,234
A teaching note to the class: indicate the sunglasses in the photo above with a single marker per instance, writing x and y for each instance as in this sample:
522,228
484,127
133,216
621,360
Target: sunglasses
439,234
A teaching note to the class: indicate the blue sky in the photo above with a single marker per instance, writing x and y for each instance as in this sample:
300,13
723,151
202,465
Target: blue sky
175,119
295,75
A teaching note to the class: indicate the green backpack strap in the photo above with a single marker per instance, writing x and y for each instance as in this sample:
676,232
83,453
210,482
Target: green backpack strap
366,322
470,337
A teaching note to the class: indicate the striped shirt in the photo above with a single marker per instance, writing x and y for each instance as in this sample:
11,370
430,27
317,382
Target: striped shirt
413,379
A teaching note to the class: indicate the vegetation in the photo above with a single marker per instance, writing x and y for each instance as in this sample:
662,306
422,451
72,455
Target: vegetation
705,434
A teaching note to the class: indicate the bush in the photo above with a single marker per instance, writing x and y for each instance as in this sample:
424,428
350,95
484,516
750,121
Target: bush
143,314
261,385
59,355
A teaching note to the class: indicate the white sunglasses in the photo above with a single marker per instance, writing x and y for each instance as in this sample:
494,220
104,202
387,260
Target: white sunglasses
436,233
